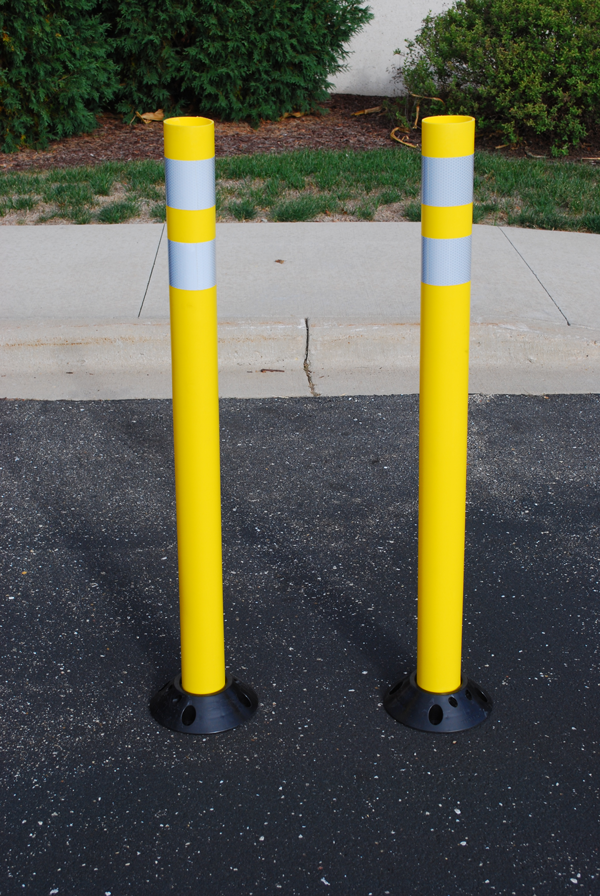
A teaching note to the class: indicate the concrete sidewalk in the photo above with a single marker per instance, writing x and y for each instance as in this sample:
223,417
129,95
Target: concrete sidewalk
304,309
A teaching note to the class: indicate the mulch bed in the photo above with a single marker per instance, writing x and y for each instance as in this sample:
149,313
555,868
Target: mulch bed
113,140
336,128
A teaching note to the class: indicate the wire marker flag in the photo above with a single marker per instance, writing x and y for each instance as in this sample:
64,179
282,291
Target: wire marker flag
438,697
204,699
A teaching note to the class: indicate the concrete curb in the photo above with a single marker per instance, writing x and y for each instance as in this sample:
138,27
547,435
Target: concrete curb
125,359
80,360
304,309
346,358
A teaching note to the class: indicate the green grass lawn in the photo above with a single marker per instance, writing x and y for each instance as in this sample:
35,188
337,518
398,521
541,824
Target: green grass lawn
309,185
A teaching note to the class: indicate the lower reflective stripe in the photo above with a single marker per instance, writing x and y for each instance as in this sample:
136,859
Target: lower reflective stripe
192,265
446,262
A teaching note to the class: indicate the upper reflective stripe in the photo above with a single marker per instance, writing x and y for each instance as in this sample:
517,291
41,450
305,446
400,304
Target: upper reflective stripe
192,265
446,262
447,181
190,185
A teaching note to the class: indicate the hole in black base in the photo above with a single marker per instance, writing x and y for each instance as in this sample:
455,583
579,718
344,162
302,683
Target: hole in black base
468,695
436,714
189,715
452,701
244,698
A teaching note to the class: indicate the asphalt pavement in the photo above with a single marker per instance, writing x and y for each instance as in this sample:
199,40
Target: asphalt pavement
322,792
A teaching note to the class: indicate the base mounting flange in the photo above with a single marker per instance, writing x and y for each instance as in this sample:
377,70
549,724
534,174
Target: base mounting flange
458,710
204,713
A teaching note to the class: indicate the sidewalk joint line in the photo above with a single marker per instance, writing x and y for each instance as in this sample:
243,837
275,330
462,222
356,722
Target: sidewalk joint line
306,365
151,270
536,277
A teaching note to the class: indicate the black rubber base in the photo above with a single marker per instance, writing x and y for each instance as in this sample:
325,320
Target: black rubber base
204,713
462,709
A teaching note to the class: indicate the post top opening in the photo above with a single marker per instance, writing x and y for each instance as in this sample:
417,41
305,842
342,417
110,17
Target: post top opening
447,119
189,138
448,136
189,121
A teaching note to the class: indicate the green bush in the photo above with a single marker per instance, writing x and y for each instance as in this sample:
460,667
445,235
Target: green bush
54,70
521,66
240,59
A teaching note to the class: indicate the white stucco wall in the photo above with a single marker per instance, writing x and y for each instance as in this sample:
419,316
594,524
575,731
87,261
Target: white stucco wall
372,62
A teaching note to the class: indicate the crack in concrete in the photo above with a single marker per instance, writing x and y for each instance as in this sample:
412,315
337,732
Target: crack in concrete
306,365
548,293
151,271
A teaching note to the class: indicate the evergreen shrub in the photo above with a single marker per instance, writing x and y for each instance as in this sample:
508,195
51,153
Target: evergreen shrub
522,67
232,59
55,70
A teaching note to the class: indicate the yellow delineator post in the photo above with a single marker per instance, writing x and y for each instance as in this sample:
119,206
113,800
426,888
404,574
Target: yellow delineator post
448,145
446,225
189,159
190,188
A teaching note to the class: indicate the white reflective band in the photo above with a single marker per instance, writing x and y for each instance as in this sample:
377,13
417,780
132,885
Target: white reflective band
446,262
192,265
190,185
447,181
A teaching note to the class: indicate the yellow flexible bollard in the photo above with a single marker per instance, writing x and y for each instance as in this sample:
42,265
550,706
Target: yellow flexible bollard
204,699
438,697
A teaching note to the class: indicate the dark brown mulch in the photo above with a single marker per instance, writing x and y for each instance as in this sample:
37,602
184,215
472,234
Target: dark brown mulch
113,140
335,128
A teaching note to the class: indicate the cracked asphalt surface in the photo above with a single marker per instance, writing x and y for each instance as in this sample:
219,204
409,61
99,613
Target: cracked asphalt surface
322,791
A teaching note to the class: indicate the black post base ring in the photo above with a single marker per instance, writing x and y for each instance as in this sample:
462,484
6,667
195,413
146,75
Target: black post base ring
459,710
179,710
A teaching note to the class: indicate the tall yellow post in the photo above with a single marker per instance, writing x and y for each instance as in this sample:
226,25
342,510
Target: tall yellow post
440,697
446,224
212,700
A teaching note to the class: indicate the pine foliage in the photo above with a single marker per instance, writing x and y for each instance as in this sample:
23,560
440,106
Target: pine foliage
240,59
55,70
